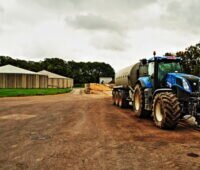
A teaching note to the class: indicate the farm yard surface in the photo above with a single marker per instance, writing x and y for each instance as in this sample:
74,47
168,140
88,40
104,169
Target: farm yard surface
85,131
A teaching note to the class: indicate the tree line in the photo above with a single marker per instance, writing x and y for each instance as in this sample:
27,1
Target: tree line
81,72
85,72
190,59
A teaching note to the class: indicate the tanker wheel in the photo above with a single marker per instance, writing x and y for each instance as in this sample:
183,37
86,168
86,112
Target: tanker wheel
113,97
138,102
122,100
166,110
117,98
198,121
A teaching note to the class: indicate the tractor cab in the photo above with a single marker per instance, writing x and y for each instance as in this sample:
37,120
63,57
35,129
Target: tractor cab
159,67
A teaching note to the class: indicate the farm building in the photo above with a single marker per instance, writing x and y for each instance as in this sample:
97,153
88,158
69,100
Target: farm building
105,80
57,81
15,77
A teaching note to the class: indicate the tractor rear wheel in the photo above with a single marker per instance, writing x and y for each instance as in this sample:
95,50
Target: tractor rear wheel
138,102
166,110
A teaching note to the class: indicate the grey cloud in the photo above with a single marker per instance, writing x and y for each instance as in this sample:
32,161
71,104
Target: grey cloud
112,5
1,12
110,15
91,5
57,5
110,26
1,17
182,16
111,42
23,15
1,9
96,22
108,34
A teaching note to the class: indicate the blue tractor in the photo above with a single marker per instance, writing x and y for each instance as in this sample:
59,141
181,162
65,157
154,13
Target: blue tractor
157,87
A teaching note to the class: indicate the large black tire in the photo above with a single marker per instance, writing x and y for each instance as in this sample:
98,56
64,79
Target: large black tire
113,97
123,103
139,102
166,110
198,121
117,98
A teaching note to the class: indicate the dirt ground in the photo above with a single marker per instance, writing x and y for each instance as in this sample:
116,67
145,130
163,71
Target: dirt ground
85,131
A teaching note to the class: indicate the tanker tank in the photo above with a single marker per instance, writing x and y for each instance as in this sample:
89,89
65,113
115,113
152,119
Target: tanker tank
127,76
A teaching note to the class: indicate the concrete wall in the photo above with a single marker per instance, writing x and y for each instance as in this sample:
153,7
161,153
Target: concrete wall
23,81
60,83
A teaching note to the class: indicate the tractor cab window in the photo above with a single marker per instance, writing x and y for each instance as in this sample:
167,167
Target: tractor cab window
151,69
167,67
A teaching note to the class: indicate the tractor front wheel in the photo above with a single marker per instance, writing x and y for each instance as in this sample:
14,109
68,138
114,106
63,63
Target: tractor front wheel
166,110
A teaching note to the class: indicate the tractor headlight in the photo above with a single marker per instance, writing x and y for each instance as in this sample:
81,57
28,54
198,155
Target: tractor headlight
186,85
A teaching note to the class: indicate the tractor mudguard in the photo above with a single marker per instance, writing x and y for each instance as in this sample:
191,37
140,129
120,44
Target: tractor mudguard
161,90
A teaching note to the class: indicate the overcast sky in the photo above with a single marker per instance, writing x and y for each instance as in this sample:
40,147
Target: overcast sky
118,32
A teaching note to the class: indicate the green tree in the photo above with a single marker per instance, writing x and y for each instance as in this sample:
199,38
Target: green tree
81,72
190,59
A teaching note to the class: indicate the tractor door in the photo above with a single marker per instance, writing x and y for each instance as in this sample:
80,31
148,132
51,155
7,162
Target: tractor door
151,73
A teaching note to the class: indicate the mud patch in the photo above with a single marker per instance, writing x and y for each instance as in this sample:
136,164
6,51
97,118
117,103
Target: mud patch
194,155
